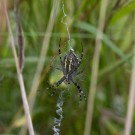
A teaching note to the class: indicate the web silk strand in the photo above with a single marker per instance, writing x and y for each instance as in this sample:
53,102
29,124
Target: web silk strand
65,23
59,111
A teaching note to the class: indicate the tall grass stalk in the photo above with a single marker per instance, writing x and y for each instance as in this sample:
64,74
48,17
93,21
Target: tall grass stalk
131,100
95,66
41,60
20,76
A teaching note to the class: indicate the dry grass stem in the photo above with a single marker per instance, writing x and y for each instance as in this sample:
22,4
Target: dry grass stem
20,77
131,101
95,66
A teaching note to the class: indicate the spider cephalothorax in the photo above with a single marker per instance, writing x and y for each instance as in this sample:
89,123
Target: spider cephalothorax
69,66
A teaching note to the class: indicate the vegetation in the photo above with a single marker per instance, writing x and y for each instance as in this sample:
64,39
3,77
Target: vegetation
106,30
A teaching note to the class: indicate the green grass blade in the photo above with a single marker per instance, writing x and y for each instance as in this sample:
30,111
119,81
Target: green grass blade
92,29
115,65
130,7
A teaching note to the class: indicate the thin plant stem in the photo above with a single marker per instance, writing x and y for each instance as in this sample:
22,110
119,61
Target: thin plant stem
20,36
95,66
20,77
82,5
131,100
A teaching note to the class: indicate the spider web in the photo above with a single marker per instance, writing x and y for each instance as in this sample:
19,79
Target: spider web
60,101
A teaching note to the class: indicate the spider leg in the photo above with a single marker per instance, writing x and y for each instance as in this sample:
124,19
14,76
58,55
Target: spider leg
59,69
80,72
80,61
56,84
79,89
52,67
60,53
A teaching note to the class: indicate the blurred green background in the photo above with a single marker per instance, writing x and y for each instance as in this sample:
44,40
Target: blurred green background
113,82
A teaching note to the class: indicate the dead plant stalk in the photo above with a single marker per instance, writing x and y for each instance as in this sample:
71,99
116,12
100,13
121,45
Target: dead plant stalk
20,76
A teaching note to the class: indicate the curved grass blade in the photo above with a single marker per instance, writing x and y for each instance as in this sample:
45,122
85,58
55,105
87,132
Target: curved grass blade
130,7
92,29
115,65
